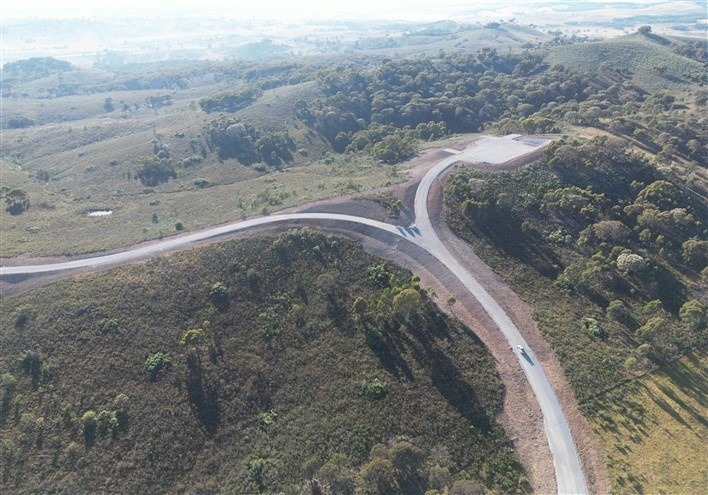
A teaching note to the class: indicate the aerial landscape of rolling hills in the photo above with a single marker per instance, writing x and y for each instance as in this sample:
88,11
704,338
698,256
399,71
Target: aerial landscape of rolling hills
369,249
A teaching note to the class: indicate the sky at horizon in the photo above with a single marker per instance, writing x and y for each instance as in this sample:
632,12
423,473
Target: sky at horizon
403,9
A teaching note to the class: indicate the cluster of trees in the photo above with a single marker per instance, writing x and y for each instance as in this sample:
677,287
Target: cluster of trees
33,68
19,122
430,96
158,101
154,170
249,143
17,200
231,101
400,467
281,328
694,49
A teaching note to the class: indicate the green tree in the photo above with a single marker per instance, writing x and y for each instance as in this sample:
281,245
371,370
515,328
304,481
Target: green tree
407,459
662,194
379,477
24,314
17,201
651,329
359,307
467,487
157,363
192,337
219,295
695,253
32,364
615,310
9,383
630,263
439,478
379,275
406,302
154,170
90,421
337,474
394,148
693,315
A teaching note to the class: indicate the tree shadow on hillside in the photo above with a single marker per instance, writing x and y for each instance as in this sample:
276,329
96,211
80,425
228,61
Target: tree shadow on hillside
666,407
506,234
458,393
202,395
387,350
697,416
692,382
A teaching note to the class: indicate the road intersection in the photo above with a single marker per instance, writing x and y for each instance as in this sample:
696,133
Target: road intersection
569,474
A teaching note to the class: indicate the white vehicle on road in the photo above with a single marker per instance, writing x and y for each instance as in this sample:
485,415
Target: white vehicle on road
521,349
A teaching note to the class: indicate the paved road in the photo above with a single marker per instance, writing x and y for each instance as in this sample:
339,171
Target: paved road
569,473
183,241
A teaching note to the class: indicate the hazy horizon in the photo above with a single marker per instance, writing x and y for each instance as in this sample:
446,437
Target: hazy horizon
278,9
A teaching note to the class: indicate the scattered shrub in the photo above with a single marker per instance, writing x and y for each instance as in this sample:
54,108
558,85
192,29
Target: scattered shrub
158,363
32,365
379,275
592,327
219,294
110,326
630,263
267,418
24,314
374,389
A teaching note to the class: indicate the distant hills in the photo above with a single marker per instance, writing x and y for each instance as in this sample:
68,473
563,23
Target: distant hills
648,59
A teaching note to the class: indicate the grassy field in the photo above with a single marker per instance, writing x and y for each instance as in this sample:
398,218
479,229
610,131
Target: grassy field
58,222
282,379
654,429
87,163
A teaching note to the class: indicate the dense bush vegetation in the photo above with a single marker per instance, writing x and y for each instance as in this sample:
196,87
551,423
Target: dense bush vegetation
230,102
33,68
249,143
617,239
17,200
292,363
430,96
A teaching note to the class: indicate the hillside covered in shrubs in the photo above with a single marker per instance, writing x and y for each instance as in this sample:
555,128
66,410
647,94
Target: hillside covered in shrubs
284,364
610,250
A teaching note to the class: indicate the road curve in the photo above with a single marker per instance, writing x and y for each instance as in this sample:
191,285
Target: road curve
569,474
180,242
